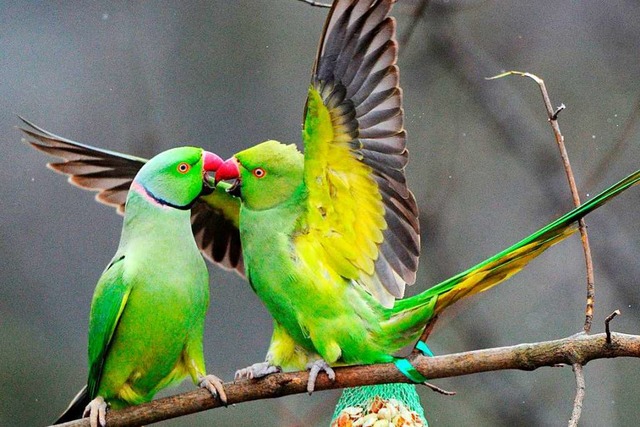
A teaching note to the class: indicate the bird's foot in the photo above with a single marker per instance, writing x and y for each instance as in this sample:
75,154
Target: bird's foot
256,370
214,385
314,369
96,410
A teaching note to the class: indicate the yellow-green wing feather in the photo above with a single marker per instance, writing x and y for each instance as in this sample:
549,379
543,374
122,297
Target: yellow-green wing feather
214,218
361,218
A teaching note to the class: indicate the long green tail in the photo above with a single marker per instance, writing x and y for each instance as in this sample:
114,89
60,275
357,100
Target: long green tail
409,316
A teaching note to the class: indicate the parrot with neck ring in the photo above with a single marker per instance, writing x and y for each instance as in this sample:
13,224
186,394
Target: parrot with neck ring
148,310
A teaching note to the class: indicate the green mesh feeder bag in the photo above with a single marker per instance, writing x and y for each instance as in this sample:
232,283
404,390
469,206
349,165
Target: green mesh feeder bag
384,405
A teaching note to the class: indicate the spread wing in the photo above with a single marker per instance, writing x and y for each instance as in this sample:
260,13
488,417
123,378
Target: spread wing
360,211
214,218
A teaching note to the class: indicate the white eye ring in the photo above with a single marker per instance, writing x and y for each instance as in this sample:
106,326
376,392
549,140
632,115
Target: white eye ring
259,173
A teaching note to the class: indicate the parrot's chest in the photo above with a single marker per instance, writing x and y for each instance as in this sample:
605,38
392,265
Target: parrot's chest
274,270
166,306
172,279
296,289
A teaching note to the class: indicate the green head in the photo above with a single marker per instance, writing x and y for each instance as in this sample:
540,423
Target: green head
266,174
176,177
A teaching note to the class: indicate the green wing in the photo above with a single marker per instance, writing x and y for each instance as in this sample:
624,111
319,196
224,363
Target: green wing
362,218
214,218
109,300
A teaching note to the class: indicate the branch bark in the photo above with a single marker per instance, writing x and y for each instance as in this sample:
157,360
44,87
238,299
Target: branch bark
576,349
553,120
577,402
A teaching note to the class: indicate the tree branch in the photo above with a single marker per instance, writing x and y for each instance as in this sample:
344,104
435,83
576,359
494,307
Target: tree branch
553,120
577,403
576,349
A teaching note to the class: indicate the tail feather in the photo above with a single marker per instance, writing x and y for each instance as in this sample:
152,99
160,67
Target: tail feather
486,276
409,315
75,410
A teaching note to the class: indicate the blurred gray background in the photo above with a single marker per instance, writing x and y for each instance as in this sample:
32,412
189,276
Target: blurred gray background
141,77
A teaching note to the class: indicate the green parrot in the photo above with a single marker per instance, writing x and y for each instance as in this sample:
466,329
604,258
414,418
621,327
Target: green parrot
330,237
148,310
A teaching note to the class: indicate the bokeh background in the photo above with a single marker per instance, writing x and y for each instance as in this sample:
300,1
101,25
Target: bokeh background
141,77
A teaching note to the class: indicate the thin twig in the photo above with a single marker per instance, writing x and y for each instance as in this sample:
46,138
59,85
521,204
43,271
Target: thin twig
606,325
579,348
553,120
558,110
577,402
439,390
315,3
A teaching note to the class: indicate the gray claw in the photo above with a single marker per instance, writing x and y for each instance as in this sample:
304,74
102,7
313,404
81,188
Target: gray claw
314,369
214,385
257,370
96,410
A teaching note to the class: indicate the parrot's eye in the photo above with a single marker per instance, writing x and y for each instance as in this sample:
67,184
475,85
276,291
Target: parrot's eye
184,167
259,173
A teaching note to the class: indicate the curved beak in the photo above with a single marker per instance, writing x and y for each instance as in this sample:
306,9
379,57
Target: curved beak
228,170
211,163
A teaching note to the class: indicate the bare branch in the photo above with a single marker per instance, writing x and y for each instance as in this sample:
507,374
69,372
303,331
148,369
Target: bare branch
606,325
553,120
580,389
580,348
437,389
554,117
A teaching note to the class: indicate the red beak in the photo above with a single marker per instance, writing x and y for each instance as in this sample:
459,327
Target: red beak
211,161
228,170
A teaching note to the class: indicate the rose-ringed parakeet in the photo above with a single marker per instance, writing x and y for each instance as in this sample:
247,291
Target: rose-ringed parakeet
330,237
148,310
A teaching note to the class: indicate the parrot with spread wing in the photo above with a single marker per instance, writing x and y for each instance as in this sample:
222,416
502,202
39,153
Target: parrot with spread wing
330,237
148,310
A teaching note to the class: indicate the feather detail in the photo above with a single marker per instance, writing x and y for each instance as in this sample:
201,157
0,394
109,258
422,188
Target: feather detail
359,207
